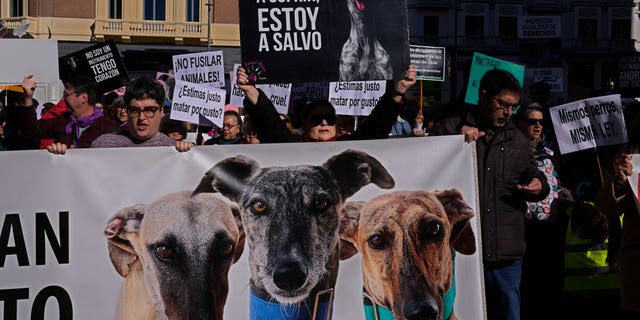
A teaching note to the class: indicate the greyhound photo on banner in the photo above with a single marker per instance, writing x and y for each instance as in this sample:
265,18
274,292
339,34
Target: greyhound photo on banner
337,40
338,231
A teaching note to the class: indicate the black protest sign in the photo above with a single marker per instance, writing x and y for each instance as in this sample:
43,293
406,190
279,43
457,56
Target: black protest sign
100,62
324,40
429,62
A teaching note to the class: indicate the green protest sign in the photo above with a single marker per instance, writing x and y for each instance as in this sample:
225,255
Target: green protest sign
482,63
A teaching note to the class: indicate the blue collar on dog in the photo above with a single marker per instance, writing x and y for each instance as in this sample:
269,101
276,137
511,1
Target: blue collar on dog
260,309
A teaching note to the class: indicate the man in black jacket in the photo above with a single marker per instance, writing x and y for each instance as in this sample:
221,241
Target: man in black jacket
507,177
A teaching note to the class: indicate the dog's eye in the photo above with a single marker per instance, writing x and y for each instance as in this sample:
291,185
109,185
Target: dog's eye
164,252
320,204
432,230
258,207
376,242
226,249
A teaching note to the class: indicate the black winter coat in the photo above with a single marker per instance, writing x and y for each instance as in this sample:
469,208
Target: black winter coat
504,160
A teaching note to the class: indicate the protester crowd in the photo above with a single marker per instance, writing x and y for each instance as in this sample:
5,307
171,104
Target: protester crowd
557,243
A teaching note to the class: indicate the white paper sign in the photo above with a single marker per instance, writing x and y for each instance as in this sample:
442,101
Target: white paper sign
205,68
356,98
634,179
236,96
589,123
198,103
20,57
279,94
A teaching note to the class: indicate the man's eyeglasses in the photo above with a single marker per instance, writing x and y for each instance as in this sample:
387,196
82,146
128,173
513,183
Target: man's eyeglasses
66,94
532,122
503,105
228,125
316,120
149,112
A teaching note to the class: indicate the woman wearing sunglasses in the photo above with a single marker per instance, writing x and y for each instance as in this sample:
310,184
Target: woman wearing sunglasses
543,224
319,117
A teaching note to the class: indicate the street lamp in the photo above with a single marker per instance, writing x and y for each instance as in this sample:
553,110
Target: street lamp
209,4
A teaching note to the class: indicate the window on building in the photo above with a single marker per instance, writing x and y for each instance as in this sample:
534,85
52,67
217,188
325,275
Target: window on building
16,8
508,27
154,9
193,10
474,26
115,9
431,26
587,28
620,29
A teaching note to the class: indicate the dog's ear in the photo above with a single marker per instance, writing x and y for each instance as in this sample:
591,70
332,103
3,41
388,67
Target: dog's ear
123,228
462,238
349,218
354,169
228,177
241,236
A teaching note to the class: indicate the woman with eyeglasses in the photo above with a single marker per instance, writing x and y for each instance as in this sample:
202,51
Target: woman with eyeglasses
319,117
542,264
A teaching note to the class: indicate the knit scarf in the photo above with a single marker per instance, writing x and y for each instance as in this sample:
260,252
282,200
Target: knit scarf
76,123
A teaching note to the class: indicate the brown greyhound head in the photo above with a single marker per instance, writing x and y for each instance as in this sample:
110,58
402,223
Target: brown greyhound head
175,254
291,215
406,239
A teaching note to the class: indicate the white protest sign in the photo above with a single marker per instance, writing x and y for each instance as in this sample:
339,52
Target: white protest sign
203,68
279,94
20,57
236,96
589,123
197,103
634,179
356,98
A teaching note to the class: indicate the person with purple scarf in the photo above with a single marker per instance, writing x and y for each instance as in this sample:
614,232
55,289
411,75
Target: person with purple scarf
78,127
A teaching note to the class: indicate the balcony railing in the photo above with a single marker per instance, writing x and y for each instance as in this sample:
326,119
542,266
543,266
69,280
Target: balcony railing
113,27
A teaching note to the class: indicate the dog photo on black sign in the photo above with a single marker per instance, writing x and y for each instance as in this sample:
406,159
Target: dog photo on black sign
331,40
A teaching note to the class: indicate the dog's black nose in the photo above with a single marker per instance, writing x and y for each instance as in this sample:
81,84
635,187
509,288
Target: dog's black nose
421,310
289,276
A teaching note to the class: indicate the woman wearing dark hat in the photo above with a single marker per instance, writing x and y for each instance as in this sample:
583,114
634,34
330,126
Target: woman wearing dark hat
319,117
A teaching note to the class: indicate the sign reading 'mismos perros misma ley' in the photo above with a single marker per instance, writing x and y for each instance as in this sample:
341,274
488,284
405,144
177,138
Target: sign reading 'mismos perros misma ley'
589,123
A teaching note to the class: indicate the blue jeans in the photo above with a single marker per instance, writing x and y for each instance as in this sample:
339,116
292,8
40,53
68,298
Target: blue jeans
502,290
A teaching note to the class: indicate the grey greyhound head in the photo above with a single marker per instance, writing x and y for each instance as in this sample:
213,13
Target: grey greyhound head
291,216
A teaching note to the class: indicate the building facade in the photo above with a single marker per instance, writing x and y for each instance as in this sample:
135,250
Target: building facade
581,56
148,32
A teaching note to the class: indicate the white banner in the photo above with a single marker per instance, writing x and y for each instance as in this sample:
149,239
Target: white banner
54,210
205,68
197,103
588,123
356,98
